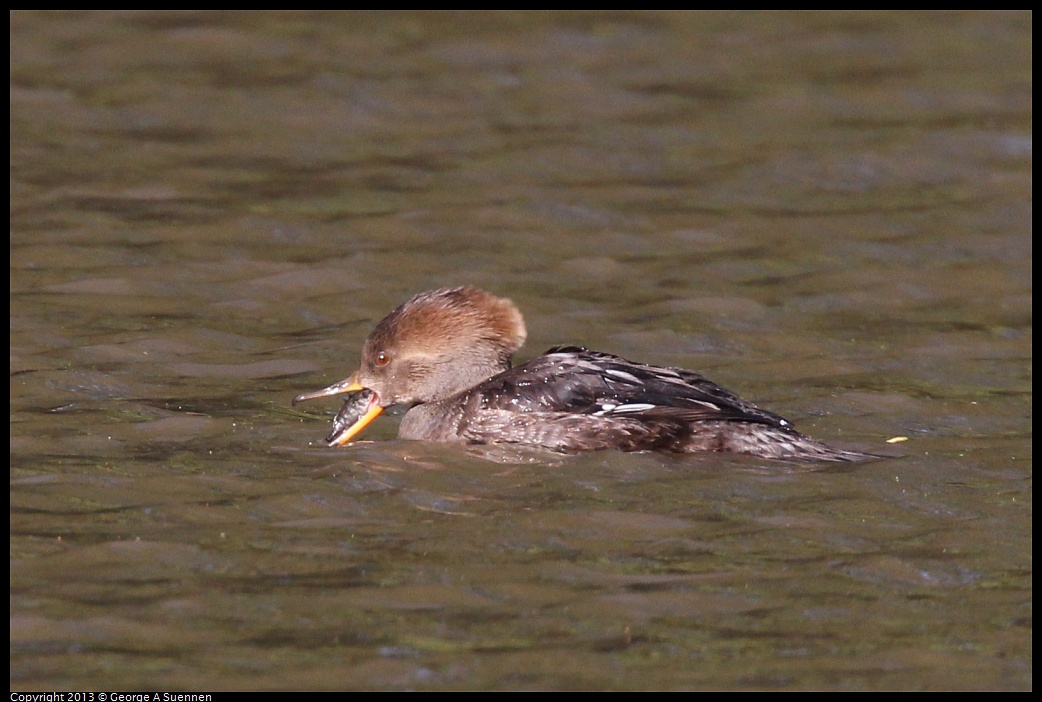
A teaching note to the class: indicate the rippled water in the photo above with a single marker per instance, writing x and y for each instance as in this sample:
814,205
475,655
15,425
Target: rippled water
828,213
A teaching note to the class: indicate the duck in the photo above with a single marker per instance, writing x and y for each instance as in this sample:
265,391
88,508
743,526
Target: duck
445,355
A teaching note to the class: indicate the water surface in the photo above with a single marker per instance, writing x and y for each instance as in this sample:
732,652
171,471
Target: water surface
828,213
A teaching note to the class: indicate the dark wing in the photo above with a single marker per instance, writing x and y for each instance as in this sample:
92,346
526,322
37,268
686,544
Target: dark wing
576,381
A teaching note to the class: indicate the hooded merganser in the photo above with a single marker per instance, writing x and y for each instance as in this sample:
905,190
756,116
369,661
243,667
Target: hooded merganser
446,355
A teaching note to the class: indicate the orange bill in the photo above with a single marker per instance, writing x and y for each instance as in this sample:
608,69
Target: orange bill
358,412
344,386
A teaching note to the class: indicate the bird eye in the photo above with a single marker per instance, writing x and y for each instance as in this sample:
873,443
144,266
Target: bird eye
383,358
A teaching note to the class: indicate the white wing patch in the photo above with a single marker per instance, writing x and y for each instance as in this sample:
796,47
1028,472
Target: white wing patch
622,374
634,408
